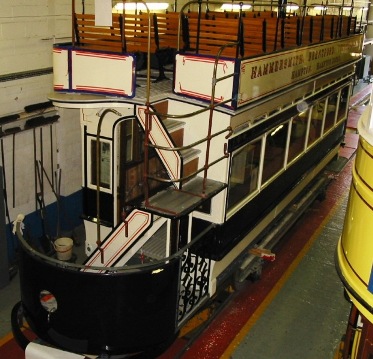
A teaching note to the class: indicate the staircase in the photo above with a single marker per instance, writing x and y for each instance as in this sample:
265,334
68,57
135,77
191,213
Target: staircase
166,136
188,191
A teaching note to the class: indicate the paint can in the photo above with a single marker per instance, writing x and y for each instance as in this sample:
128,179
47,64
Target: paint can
63,247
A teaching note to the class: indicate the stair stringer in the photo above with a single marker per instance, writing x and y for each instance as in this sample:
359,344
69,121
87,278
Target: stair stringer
159,136
119,241
157,224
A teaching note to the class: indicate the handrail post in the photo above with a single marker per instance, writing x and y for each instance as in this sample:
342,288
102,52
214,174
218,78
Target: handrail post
146,154
148,115
73,22
198,25
264,35
240,50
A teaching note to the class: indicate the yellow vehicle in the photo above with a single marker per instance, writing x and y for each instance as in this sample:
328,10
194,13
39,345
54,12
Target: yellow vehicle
354,257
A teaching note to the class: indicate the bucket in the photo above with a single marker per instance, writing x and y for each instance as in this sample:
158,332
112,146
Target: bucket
63,247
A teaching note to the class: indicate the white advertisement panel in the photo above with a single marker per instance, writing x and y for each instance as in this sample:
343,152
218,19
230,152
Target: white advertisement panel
111,74
60,69
194,77
263,76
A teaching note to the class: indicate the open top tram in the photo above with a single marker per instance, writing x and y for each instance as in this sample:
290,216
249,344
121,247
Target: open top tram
204,137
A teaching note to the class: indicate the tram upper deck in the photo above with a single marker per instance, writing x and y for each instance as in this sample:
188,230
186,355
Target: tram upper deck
245,55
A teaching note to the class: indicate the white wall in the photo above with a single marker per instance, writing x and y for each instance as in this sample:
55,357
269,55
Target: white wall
28,29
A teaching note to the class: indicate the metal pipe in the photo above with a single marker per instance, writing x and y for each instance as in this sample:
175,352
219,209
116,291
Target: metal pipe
98,174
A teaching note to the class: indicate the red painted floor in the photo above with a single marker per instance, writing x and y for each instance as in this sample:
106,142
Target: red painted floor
354,116
363,93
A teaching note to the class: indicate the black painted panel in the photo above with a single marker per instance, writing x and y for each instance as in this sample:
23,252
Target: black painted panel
106,205
116,313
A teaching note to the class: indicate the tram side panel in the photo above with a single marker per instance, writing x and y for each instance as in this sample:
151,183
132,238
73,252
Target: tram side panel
354,259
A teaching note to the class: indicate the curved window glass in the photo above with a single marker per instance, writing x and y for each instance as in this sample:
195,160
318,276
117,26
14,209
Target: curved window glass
275,149
342,104
244,172
331,111
297,136
316,121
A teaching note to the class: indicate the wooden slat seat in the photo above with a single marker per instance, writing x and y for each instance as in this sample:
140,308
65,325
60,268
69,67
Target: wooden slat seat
222,14
273,33
88,35
136,32
291,31
318,28
168,29
213,33
264,14
330,27
253,35
348,25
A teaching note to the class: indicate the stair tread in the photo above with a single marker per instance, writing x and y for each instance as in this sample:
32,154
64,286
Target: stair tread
173,125
189,154
174,203
155,247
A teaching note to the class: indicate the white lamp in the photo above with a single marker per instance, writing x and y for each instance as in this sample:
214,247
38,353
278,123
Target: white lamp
132,6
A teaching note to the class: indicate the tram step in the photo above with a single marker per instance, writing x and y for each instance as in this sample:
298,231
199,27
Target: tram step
189,155
176,130
190,161
155,247
173,203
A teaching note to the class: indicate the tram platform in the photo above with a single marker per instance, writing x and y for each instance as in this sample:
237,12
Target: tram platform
296,309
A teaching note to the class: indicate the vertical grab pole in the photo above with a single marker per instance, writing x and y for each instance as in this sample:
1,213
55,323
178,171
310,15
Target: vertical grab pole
209,130
98,177
148,116
73,22
198,25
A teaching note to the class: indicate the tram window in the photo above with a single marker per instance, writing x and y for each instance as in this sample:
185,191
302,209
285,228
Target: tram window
275,149
244,172
105,164
128,129
342,105
131,170
297,135
330,112
131,137
316,121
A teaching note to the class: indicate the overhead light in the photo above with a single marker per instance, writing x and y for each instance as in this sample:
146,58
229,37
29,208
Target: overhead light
234,7
292,7
132,6
320,7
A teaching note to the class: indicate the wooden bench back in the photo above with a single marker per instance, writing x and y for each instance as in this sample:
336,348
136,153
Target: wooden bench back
136,33
168,29
206,36
90,36
130,35
254,36
261,14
